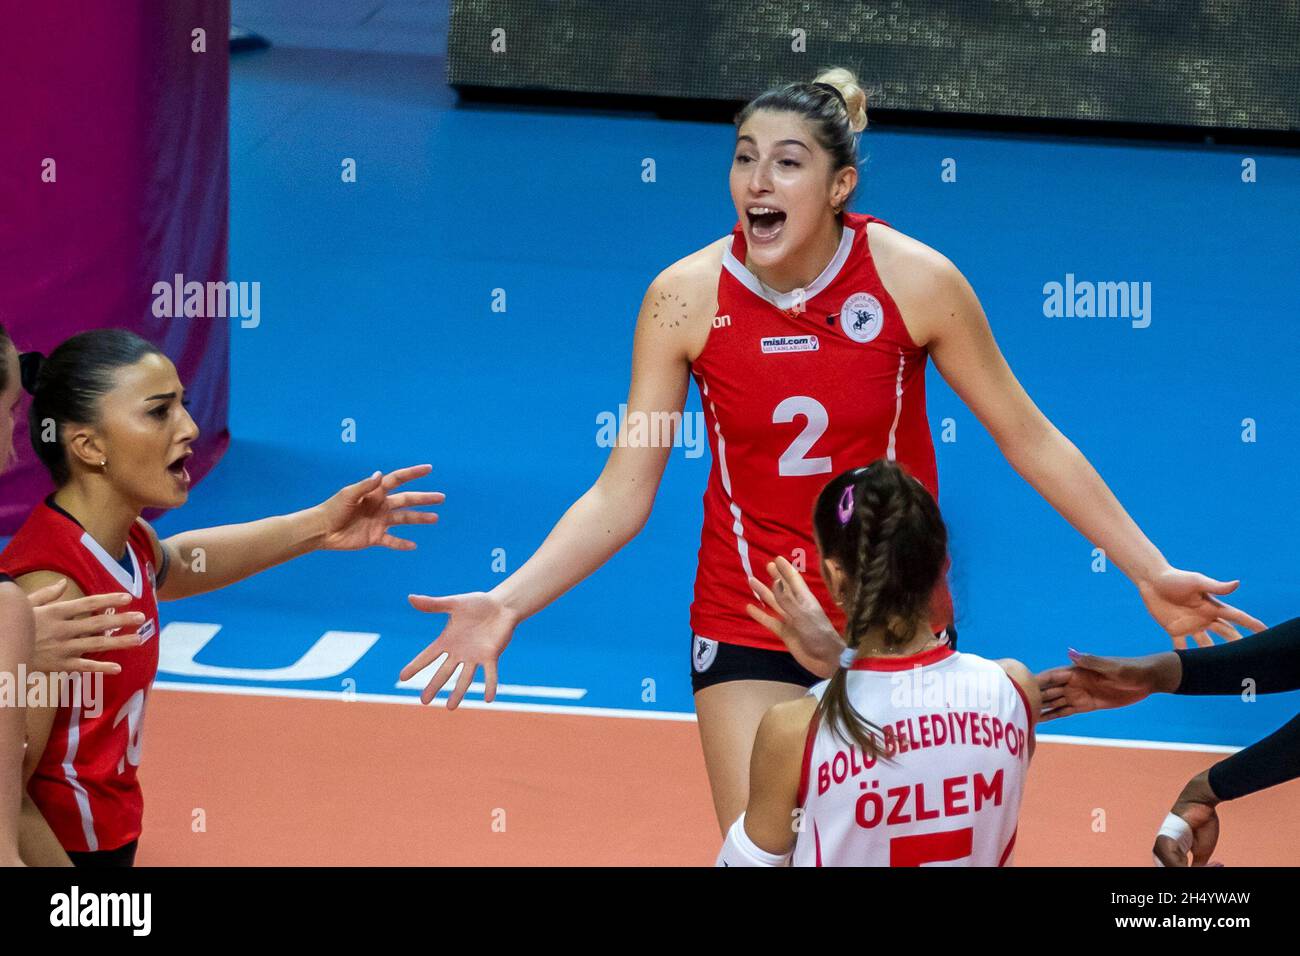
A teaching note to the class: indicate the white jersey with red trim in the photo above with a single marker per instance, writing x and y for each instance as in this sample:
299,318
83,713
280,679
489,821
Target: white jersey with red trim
947,789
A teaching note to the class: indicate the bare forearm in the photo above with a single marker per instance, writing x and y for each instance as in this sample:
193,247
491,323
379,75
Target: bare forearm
12,727
1059,472
209,558
589,533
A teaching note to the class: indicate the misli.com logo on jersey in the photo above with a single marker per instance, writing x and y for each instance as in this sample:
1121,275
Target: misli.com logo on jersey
789,343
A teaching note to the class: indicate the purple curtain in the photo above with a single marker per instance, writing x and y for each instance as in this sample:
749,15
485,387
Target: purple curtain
136,123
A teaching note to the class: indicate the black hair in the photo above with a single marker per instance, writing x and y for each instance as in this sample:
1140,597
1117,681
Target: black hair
833,104
884,530
70,384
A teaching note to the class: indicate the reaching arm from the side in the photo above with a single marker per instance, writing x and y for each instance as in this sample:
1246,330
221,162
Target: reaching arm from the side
944,316
604,518
360,515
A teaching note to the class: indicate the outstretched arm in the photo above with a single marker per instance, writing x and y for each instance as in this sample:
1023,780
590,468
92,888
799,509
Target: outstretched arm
358,516
944,315
599,523
1270,660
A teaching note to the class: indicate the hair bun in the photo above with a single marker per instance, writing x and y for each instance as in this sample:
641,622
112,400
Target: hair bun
29,367
846,84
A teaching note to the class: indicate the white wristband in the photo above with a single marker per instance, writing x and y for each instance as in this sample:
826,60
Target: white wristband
1178,830
739,850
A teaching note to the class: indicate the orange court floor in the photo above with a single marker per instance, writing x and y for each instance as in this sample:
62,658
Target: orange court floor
233,779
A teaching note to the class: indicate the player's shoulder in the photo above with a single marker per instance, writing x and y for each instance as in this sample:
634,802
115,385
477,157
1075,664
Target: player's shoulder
1023,678
42,537
37,524
785,725
35,580
906,261
924,283
696,272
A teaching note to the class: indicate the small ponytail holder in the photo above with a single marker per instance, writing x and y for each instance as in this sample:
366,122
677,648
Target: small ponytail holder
29,368
845,509
848,656
833,90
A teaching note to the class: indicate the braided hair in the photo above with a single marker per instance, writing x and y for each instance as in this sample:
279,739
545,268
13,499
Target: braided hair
883,528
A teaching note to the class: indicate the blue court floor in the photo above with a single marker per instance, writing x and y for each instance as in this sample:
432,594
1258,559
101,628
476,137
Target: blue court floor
377,308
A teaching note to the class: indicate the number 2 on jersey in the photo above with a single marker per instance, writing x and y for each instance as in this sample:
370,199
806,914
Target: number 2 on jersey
793,460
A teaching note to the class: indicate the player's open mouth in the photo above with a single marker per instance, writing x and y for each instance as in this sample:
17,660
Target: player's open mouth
178,470
765,222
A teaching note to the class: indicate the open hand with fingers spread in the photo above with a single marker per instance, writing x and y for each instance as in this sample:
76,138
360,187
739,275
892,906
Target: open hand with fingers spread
360,515
795,615
477,632
67,631
1184,603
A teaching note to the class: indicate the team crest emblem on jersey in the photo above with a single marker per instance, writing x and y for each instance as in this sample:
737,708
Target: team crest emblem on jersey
862,317
703,651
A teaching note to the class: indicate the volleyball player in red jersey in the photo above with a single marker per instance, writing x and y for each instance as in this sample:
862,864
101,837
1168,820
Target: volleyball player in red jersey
41,631
807,331
16,635
109,421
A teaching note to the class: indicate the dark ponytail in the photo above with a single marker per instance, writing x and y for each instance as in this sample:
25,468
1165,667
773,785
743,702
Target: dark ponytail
884,529
69,384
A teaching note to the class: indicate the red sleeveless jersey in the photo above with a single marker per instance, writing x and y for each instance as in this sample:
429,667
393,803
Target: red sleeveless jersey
85,784
797,389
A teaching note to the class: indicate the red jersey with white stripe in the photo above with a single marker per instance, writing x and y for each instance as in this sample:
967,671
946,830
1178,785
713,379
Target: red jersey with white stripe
945,792
797,388
85,784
